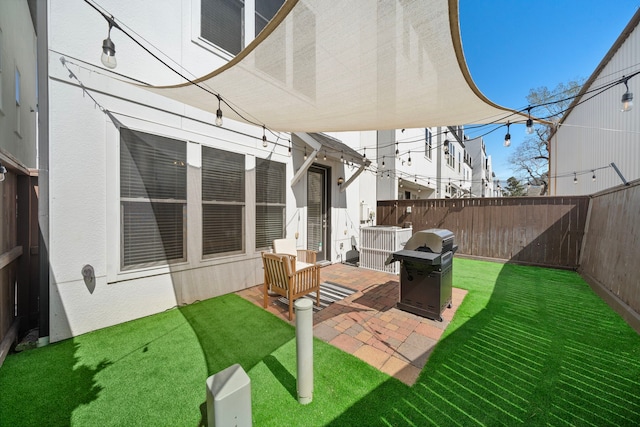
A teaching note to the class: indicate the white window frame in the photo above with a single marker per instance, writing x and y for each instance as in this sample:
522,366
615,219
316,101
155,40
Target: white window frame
248,25
428,144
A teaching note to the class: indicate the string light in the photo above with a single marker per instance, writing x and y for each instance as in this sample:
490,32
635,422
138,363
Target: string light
593,177
575,178
383,162
325,155
529,122
446,144
409,161
264,136
507,137
289,149
397,150
364,153
388,175
342,156
108,57
305,153
627,97
219,113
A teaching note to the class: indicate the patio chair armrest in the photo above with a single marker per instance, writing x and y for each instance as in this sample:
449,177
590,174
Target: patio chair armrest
307,256
307,279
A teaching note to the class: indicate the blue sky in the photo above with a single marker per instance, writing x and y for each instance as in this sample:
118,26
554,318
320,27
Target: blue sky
512,46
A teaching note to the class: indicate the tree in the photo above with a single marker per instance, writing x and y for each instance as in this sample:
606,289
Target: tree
514,188
530,160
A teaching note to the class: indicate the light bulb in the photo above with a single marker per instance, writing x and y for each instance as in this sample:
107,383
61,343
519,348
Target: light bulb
507,137
409,161
627,101
219,117
108,57
264,141
529,126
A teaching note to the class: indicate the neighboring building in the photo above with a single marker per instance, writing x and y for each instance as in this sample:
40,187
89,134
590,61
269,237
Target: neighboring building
483,176
595,133
18,176
456,171
439,168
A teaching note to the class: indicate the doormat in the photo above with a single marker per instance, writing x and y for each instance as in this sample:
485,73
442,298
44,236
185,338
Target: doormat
329,293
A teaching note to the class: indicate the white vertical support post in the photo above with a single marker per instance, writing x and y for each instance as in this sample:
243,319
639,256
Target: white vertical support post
304,349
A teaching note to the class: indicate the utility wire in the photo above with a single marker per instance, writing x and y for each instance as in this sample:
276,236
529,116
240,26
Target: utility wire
112,21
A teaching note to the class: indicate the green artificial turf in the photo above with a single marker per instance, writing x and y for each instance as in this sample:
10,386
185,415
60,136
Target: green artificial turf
528,346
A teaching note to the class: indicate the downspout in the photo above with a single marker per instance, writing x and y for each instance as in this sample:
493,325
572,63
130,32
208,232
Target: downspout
43,165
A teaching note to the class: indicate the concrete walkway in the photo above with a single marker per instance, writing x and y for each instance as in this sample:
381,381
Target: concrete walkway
367,324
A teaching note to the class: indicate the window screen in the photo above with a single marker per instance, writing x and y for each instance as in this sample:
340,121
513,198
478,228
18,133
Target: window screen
221,23
223,202
270,202
153,192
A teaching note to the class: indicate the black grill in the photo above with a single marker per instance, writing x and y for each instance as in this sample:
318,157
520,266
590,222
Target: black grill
426,273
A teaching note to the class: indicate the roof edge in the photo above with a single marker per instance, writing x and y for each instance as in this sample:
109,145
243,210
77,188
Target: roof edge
624,35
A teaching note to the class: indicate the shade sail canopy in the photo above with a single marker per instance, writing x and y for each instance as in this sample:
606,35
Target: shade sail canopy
323,66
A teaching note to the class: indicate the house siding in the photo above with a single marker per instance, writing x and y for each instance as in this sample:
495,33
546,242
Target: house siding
596,133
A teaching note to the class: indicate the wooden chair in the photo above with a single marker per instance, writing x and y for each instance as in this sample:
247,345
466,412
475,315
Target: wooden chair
280,277
302,257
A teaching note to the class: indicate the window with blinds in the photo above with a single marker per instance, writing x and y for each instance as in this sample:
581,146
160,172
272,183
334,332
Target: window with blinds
223,202
222,23
153,193
265,10
270,202
428,139
451,160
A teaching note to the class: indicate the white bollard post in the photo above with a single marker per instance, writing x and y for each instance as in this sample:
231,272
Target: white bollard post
304,349
229,398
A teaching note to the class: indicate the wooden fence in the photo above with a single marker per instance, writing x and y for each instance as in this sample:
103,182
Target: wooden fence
611,253
18,257
9,253
545,231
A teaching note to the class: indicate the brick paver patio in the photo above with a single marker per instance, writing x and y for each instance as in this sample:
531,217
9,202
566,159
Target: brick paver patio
368,325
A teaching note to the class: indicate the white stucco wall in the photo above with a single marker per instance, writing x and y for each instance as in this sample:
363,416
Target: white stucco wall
88,104
84,173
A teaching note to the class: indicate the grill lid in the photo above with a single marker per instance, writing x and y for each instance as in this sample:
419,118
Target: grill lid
438,240
427,258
